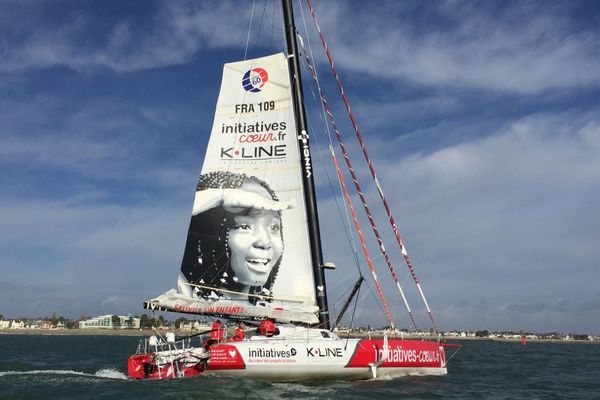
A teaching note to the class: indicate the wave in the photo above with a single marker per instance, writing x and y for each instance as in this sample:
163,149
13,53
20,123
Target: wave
108,373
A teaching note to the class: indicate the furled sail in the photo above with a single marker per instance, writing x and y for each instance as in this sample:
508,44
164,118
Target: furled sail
247,253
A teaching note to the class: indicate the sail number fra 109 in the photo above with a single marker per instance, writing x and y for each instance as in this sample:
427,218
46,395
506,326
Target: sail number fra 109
258,107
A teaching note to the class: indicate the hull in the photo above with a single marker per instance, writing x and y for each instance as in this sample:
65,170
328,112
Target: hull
351,359
296,354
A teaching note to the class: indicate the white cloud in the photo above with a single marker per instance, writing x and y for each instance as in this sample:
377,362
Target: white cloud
509,218
97,140
112,301
523,48
81,258
175,34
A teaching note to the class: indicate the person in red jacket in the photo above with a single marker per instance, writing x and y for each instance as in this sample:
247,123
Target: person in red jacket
267,328
216,335
239,333
217,331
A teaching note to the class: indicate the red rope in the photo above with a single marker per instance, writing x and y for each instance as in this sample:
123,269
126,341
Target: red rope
362,240
356,184
370,165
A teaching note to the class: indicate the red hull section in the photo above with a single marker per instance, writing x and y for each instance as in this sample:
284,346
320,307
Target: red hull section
144,366
225,357
400,354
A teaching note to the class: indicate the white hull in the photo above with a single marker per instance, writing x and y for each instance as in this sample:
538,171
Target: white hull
305,354
325,372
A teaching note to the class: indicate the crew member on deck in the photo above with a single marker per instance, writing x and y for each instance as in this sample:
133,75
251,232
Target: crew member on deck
217,332
267,328
239,333
216,335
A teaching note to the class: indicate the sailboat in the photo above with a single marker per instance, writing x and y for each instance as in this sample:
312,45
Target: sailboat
253,250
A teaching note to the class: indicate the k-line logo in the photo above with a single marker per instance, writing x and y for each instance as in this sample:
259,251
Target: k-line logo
326,352
272,152
254,79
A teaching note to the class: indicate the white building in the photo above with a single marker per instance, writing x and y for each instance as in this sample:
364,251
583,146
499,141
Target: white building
195,325
106,322
17,324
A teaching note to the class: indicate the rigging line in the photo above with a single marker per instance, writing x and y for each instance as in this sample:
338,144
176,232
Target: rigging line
345,288
347,224
229,163
327,111
260,24
272,20
354,308
249,29
352,317
282,27
341,283
371,167
374,228
329,180
369,292
362,241
344,294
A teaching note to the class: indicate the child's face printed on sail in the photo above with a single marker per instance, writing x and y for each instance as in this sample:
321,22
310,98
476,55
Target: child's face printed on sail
255,242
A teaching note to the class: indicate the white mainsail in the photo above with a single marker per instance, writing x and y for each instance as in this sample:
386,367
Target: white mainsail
247,252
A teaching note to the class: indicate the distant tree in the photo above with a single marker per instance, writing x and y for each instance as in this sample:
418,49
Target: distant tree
116,321
179,321
1,317
54,319
71,324
483,333
146,322
581,337
130,322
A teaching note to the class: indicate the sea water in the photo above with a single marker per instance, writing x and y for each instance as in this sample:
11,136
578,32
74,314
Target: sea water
93,367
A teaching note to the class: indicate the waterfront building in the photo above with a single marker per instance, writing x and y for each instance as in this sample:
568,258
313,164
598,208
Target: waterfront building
107,322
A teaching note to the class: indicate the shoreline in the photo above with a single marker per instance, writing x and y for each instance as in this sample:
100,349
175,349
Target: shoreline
77,332
148,332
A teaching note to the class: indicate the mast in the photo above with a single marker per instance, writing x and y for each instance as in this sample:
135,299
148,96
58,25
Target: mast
306,164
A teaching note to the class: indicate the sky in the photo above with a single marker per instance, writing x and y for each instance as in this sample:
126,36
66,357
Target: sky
482,120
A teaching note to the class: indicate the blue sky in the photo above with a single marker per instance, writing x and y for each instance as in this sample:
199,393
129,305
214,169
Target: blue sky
482,118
